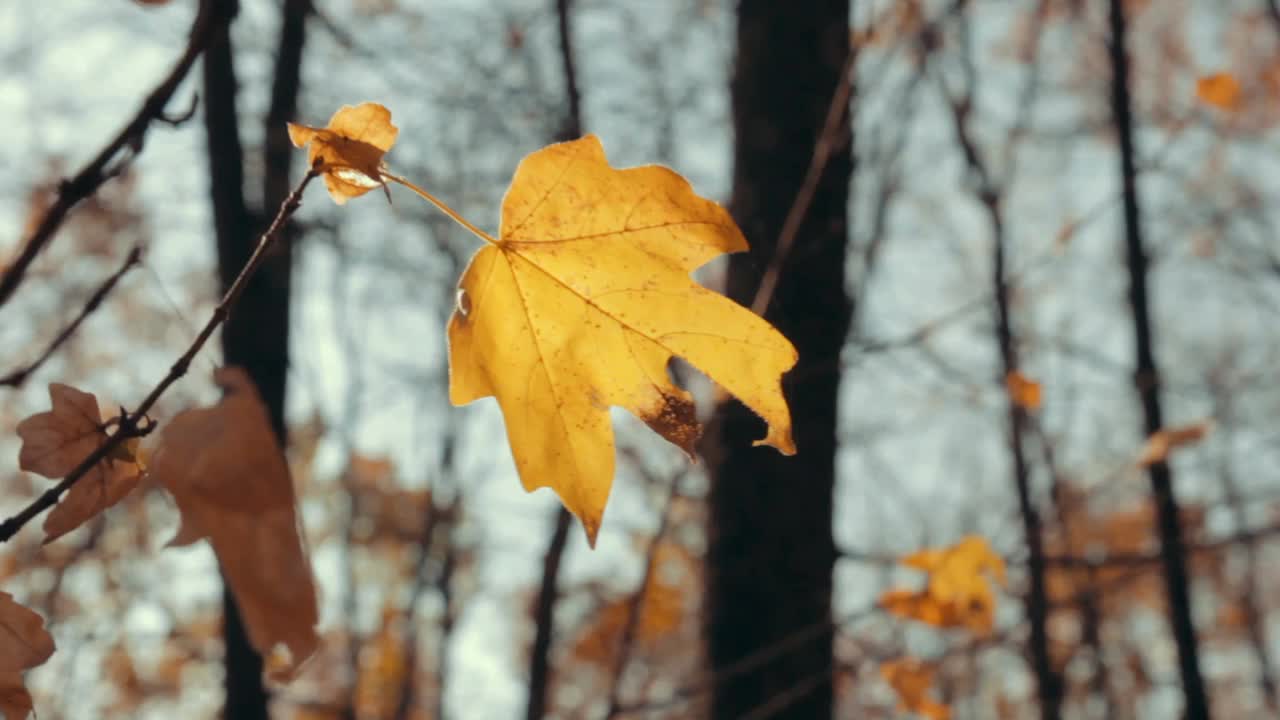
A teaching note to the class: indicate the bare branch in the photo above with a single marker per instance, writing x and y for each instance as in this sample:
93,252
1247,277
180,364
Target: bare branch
17,377
988,191
211,15
136,423
635,607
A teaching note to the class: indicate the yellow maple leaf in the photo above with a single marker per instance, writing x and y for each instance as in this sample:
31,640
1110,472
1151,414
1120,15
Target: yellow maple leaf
350,147
229,478
56,441
911,680
1221,90
959,589
24,644
580,303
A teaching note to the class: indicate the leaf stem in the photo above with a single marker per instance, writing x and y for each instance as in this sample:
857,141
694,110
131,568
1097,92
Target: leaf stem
443,207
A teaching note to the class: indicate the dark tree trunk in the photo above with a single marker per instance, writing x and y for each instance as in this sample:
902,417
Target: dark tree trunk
771,552
256,335
1146,377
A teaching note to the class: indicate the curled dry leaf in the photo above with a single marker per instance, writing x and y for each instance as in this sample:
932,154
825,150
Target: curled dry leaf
351,148
24,644
56,441
1162,442
226,472
959,590
911,680
581,303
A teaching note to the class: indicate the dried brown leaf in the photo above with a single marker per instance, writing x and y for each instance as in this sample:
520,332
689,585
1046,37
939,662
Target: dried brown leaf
351,148
56,441
24,644
1164,441
226,472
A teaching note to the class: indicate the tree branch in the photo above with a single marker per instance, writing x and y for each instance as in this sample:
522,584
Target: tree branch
544,618
211,16
989,194
17,377
635,608
136,423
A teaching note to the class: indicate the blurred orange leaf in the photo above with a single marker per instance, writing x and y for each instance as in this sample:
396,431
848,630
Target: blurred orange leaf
1024,391
959,590
226,472
1162,442
56,441
912,680
581,302
24,644
382,669
351,148
1221,90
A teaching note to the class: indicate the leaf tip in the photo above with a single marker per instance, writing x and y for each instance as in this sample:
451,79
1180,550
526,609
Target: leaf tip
780,440
299,135
592,527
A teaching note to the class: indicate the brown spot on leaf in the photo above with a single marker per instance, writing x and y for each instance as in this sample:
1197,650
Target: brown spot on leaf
676,420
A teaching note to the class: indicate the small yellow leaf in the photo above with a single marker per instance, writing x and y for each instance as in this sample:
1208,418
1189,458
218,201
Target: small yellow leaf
959,590
581,303
226,472
1220,90
1162,442
351,148
1024,391
912,681
24,644
55,442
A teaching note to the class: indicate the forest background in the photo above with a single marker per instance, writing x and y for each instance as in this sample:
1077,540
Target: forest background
1010,277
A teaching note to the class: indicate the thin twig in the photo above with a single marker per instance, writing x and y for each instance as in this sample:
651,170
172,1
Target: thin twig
182,117
635,607
20,375
1255,615
127,144
829,142
747,663
988,192
136,423
544,617
1107,561
792,695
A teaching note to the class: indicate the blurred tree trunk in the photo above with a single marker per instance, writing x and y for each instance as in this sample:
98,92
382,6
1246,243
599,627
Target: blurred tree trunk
771,552
1146,378
256,335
